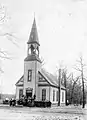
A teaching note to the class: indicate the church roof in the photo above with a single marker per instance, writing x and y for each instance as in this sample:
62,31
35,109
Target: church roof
32,58
52,80
33,34
20,81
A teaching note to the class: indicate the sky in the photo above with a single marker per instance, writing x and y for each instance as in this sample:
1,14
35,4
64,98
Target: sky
62,31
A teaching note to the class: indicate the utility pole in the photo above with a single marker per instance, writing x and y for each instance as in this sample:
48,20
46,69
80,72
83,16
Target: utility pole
59,83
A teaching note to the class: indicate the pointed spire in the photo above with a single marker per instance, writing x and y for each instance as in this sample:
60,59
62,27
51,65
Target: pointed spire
33,34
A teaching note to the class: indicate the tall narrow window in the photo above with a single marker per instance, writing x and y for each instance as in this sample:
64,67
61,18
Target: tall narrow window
57,96
53,95
43,94
29,75
62,96
20,93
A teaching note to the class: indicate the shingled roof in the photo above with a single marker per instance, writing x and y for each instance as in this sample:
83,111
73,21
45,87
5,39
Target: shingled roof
51,78
32,58
33,34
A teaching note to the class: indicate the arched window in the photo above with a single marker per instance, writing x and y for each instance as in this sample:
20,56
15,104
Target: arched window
29,51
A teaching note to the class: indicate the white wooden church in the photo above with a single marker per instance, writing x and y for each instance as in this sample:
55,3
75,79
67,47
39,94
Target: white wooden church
36,80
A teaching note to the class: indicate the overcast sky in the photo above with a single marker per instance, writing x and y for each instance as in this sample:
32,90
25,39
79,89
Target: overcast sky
62,31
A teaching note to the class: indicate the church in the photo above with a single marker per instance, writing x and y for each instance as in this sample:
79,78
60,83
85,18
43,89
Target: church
36,80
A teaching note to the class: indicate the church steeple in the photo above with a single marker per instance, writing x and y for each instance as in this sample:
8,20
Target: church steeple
33,44
33,34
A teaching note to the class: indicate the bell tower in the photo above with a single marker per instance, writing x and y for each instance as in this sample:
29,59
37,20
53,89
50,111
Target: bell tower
32,64
33,43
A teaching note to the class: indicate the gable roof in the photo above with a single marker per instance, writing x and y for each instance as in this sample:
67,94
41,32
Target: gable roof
20,81
50,78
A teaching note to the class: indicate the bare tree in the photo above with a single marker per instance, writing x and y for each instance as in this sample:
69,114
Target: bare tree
65,77
73,87
62,80
74,82
4,19
80,67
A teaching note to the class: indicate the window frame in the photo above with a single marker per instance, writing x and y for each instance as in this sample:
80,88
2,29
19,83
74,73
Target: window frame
43,94
57,95
53,95
20,93
29,75
62,96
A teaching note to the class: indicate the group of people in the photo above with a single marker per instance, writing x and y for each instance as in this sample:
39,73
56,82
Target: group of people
12,102
22,101
26,101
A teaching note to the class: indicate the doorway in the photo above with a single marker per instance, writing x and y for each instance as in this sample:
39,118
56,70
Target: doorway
28,93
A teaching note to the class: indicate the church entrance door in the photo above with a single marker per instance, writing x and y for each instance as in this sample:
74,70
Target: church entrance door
28,93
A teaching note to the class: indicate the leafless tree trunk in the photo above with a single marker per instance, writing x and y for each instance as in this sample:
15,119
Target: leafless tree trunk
66,78
80,68
74,80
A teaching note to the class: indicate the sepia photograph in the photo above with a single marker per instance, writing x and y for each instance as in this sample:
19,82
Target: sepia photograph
43,59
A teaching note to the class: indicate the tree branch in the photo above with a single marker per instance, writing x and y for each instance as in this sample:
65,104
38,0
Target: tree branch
4,55
76,68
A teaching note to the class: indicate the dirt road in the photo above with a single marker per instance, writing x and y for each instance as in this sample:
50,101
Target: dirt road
25,113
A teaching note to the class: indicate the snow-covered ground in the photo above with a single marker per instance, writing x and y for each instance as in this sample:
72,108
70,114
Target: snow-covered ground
12,113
